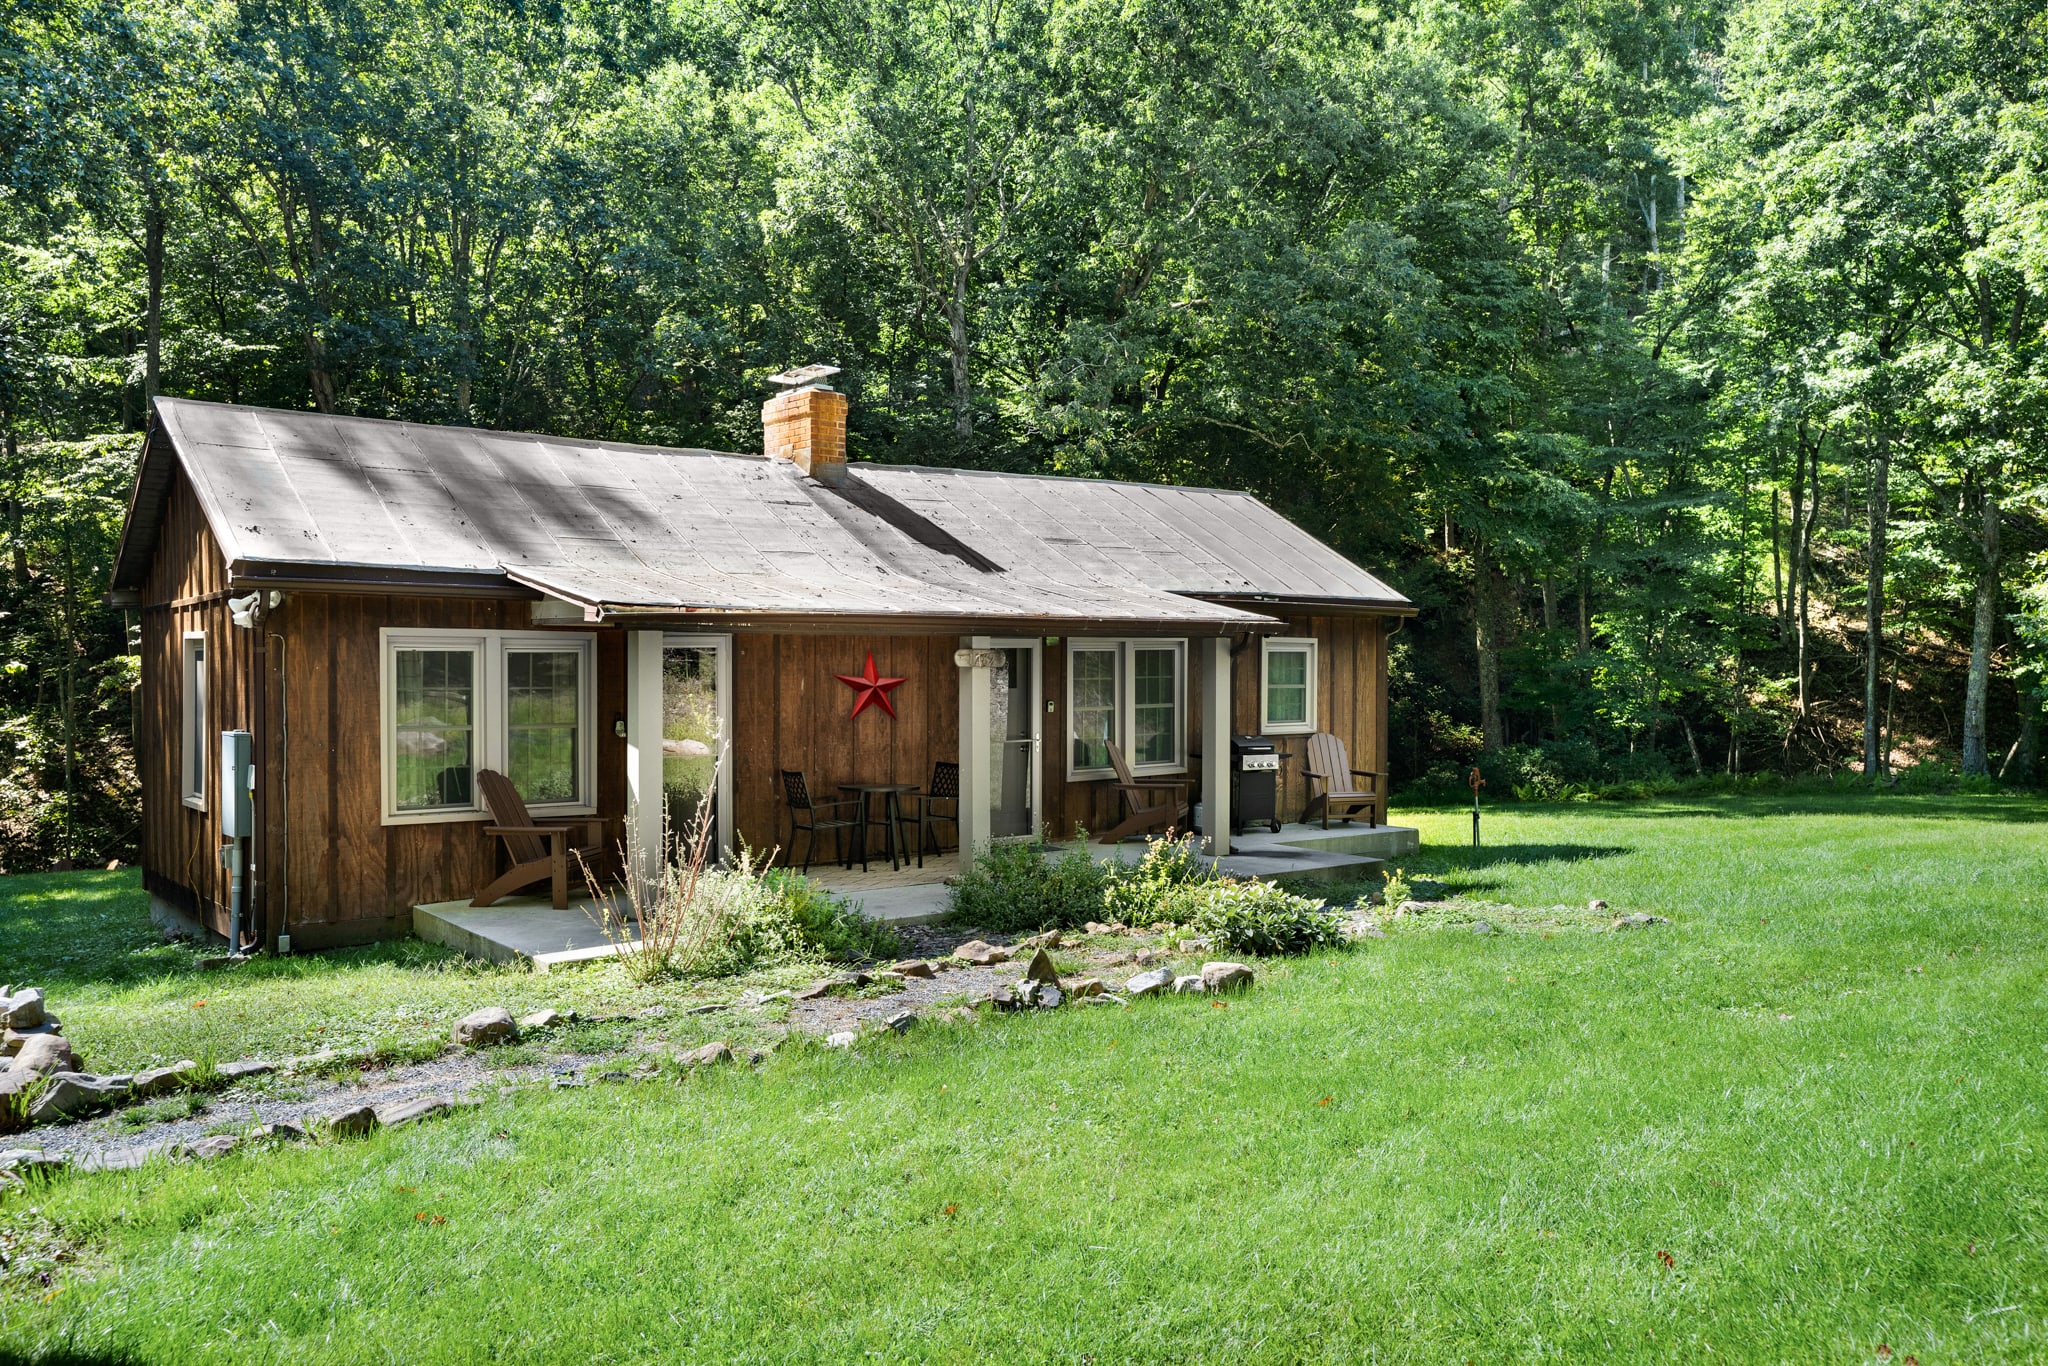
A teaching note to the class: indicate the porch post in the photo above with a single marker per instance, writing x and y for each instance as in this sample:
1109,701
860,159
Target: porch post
1216,719
643,752
976,792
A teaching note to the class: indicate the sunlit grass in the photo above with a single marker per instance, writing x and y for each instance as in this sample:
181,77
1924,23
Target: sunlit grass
1801,1121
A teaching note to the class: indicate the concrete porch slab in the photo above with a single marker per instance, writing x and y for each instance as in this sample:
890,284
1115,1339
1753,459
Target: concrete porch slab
525,929
519,929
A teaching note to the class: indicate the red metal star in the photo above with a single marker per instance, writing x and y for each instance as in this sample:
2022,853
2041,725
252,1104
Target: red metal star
870,687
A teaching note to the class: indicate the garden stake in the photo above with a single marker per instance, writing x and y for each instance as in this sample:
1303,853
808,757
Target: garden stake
1477,783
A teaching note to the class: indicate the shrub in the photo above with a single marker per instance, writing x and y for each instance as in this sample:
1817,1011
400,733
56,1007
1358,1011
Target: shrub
1141,894
1015,886
828,925
1260,918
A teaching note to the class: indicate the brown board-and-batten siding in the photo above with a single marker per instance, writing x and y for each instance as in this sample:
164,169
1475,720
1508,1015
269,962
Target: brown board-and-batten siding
350,877
1351,684
185,591
791,712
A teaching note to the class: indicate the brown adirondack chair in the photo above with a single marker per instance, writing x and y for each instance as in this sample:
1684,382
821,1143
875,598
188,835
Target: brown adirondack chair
540,852
1330,790
1153,803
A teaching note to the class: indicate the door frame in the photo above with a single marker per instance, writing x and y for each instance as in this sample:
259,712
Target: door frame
1036,646
721,643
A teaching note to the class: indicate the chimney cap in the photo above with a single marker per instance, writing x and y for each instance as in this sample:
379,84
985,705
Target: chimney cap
806,377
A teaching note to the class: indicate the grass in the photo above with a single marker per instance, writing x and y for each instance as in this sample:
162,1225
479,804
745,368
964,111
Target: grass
1803,1120
128,1000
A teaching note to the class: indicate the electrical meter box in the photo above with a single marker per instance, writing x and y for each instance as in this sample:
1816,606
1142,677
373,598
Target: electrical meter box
237,784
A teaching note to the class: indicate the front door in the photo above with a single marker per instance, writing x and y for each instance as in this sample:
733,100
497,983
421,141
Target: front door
696,728
1013,732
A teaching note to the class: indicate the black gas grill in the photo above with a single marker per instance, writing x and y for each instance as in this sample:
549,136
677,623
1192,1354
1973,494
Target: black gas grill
1254,783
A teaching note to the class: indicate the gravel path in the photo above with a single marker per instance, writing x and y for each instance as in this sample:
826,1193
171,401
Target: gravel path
105,1141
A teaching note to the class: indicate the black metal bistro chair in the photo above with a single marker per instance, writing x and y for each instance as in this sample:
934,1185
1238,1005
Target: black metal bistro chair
925,812
813,817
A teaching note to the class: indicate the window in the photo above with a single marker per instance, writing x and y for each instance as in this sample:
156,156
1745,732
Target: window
519,702
1126,688
1091,671
192,728
435,701
542,711
1288,690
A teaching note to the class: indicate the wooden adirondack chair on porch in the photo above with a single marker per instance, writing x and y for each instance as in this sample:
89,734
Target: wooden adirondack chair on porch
1153,803
540,852
1330,789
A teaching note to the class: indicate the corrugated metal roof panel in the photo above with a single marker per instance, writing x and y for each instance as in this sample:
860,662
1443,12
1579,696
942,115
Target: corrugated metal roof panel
650,528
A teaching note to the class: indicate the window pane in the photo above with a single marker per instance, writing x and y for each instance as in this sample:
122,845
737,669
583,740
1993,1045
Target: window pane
436,699
1155,683
1094,719
1287,685
541,707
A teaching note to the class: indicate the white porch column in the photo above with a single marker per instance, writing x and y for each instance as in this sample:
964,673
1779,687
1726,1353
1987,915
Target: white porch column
977,793
643,751
1216,717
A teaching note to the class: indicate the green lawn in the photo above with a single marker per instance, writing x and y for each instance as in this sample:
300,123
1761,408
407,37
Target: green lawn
1802,1121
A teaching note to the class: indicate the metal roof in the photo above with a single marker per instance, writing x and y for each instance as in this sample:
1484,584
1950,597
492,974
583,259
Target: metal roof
625,528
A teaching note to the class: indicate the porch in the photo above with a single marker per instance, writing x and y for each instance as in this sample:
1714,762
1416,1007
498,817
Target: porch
526,929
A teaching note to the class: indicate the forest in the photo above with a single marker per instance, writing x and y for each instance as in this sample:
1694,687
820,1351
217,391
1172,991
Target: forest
1683,362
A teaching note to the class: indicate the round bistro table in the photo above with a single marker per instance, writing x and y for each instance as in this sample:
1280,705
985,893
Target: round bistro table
892,795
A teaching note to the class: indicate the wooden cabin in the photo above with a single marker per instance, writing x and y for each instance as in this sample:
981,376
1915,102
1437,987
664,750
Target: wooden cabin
388,608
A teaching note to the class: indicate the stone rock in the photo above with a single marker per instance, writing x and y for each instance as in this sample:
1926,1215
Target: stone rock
894,979
1638,921
981,955
279,1131
1087,986
24,1009
1149,983
1226,976
1183,985
32,1160
1596,904
1482,927
845,1038
159,1081
1412,908
566,1083
1367,925
710,1055
1427,889
412,1111
13,1041
901,1021
813,992
205,1149
352,1123
481,1028
1040,969
1199,944
242,1069
1108,998
851,979
76,1093
1049,996
1049,940
542,1019
913,967
710,1008
1144,956
999,996
129,1159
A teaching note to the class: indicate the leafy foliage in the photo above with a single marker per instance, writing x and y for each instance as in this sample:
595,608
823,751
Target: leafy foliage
1012,887
1259,918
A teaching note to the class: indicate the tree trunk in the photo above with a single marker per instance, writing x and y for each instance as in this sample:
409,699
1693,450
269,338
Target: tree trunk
963,379
1486,614
1879,507
153,226
1982,631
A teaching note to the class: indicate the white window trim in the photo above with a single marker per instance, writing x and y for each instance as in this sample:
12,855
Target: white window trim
1127,705
1267,726
191,723
488,722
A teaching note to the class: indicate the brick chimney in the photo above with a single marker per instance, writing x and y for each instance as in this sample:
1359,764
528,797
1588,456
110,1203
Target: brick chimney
806,423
